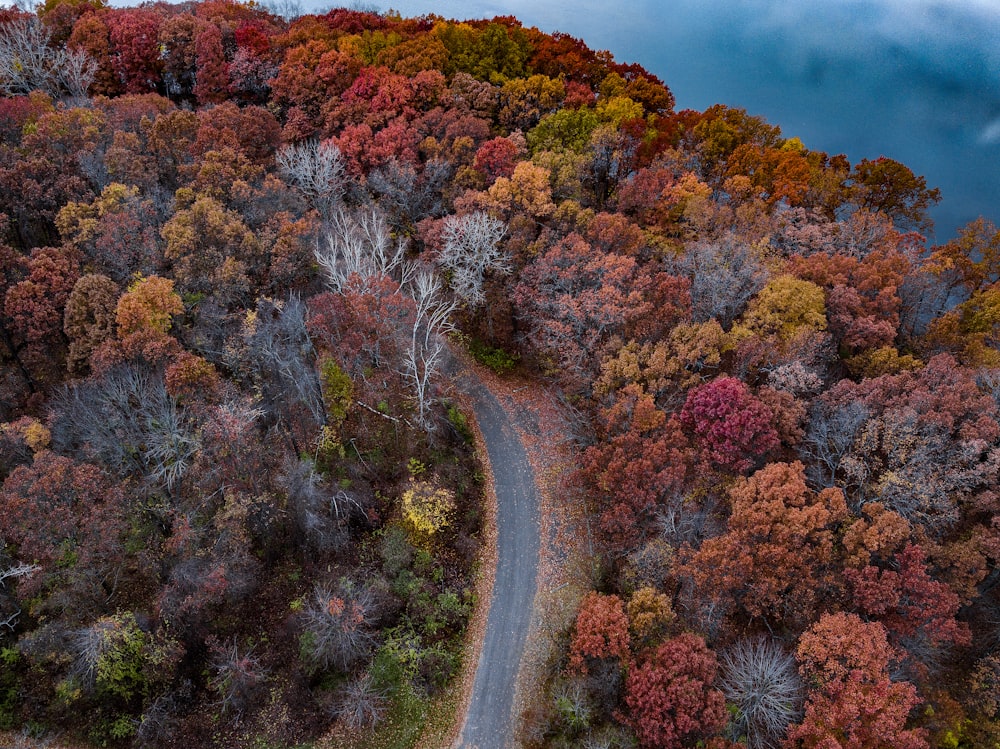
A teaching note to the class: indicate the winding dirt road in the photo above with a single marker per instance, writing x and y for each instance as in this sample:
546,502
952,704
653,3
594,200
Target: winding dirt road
489,722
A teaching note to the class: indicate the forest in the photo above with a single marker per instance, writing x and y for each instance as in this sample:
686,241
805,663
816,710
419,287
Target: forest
241,505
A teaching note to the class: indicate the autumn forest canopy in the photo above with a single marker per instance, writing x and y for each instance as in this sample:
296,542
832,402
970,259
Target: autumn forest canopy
240,502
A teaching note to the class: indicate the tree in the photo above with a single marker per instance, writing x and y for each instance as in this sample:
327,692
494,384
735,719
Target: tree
853,703
124,418
337,626
921,441
427,509
29,63
425,350
110,656
148,305
238,676
649,611
212,78
317,170
210,248
971,261
117,231
68,518
641,460
177,36
760,679
279,358
785,307
89,319
891,187
573,299
908,601
778,558
601,631
35,305
360,251
725,275
361,703
91,35
670,698
469,251
135,48
733,428
409,194
497,158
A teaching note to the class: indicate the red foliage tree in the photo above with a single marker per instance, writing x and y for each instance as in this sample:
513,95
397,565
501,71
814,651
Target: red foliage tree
134,37
640,461
778,558
211,76
732,427
908,601
670,698
64,516
601,631
35,305
574,298
854,704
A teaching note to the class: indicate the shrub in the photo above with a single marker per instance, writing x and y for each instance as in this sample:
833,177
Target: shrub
336,626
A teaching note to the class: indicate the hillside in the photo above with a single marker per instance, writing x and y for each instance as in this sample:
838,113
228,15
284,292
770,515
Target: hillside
240,504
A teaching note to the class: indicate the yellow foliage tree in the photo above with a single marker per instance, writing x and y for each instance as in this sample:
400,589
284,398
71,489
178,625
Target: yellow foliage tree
649,615
784,308
148,304
427,508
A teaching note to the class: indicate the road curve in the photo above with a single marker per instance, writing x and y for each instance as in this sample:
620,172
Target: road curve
489,721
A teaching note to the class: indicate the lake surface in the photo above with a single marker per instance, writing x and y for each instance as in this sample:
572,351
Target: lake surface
914,80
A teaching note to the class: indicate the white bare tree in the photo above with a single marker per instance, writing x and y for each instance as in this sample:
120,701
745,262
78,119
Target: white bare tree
28,62
471,250
360,248
317,170
362,245
761,680
14,571
426,347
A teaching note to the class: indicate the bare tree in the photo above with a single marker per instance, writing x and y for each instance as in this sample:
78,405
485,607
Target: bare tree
426,347
725,274
317,170
470,251
407,194
361,245
237,676
287,9
761,680
318,512
278,347
126,419
337,623
14,571
360,703
28,62
829,438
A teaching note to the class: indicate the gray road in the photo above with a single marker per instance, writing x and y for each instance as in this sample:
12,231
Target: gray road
489,721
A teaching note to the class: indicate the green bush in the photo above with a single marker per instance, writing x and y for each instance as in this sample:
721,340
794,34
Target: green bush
457,419
496,359
9,688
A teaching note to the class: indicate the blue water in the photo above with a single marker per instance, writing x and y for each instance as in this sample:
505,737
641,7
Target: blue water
914,80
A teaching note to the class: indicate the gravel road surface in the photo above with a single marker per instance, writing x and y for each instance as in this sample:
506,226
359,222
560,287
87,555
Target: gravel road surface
489,721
